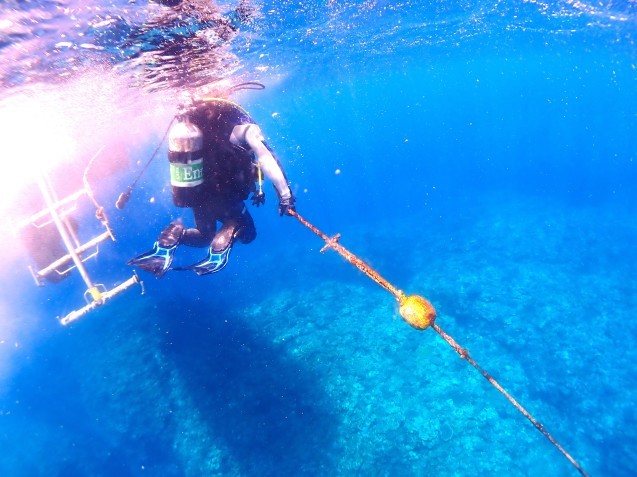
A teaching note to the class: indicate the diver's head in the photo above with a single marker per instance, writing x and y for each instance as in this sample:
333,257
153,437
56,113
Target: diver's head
222,90
219,91
167,3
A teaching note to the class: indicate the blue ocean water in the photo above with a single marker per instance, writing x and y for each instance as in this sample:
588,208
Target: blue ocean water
480,154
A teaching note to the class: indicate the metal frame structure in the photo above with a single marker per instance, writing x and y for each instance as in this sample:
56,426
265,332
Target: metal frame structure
57,211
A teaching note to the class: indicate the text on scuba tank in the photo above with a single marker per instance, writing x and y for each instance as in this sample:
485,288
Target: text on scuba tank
186,175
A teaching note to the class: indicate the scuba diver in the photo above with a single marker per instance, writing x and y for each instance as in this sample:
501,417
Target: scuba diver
216,154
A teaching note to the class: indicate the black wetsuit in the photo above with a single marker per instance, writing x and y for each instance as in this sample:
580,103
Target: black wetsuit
229,178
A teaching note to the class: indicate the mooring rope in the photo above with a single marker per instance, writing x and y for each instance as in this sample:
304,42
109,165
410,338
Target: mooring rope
464,354
420,314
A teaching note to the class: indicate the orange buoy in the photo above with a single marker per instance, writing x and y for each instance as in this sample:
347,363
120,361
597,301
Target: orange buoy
417,311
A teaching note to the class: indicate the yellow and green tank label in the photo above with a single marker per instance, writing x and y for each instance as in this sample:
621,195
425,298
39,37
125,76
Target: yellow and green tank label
186,175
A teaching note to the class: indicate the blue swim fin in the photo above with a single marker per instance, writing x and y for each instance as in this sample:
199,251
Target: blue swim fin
214,262
156,261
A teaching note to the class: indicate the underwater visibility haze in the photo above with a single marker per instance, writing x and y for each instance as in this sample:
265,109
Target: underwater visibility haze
480,154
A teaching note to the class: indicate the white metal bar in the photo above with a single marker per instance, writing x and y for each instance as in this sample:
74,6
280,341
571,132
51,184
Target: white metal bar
78,251
102,298
46,211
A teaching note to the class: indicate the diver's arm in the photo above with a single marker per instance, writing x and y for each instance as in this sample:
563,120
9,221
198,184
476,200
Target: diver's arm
250,134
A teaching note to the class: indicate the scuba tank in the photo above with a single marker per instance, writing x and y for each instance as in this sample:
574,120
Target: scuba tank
185,154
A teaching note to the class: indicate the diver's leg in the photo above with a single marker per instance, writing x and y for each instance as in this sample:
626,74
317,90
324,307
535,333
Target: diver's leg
237,224
157,261
206,226
248,231
219,250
